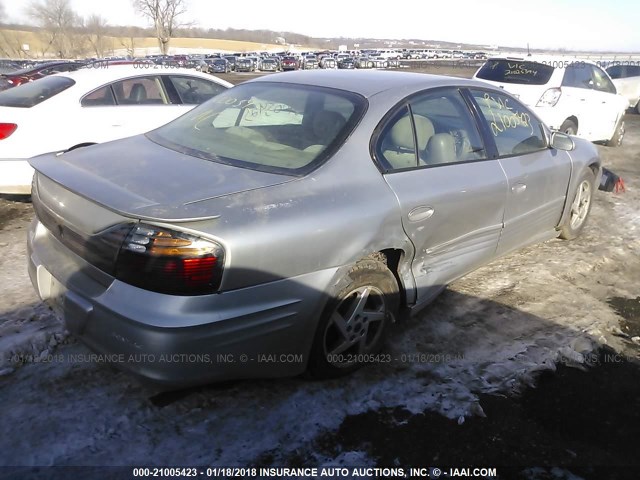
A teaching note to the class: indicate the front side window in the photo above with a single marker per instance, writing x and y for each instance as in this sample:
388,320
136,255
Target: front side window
601,82
514,129
140,91
273,127
31,94
194,91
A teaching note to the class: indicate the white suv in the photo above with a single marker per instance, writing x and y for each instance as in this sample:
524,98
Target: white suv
574,96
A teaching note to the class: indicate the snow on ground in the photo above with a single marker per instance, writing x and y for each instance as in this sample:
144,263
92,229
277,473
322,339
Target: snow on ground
490,332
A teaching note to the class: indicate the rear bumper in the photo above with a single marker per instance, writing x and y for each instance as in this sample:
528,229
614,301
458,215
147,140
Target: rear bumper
15,176
260,331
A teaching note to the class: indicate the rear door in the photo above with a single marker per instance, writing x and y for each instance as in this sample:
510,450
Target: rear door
451,194
125,108
608,103
594,107
537,175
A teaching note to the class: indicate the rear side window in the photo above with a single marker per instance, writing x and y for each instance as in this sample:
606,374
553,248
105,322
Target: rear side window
615,72
633,71
441,124
578,75
33,93
514,71
100,98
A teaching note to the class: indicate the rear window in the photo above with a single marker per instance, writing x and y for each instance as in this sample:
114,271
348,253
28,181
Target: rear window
31,94
278,128
514,71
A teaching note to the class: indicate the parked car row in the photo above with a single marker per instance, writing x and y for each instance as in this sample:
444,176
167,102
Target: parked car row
98,105
415,54
33,72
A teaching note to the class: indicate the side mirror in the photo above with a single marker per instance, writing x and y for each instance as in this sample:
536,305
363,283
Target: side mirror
562,141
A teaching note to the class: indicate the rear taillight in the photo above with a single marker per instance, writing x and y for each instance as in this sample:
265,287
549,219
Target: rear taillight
169,261
549,98
6,129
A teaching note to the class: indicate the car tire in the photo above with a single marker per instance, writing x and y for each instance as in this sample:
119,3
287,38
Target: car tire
580,206
638,107
368,295
618,136
569,127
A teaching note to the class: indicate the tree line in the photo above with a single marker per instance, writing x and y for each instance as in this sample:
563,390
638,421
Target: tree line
62,33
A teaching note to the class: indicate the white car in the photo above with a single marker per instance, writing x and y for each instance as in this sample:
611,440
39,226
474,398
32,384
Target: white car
626,78
91,105
573,96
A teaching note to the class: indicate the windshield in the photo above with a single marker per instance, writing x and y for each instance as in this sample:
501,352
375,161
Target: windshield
515,71
275,127
31,94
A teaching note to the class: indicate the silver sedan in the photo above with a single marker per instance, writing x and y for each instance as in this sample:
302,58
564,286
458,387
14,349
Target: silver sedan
284,224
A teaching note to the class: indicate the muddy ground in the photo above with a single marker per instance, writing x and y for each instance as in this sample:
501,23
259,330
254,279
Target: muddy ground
540,377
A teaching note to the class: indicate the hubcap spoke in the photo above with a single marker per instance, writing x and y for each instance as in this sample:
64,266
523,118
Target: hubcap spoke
580,206
340,323
375,316
358,307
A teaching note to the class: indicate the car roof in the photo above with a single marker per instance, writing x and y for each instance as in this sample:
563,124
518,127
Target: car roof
99,75
368,82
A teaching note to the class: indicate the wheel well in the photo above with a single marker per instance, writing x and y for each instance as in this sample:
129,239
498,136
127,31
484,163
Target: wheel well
393,256
574,120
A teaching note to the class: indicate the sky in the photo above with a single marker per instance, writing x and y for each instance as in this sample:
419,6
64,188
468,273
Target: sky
569,24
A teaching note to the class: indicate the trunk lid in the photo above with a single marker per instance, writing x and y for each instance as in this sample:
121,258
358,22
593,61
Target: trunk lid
138,178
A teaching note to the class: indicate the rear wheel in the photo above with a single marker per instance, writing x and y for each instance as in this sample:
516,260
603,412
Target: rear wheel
352,326
580,207
569,127
638,107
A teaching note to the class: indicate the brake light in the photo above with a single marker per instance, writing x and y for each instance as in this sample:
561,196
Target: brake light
549,98
169,261
6,129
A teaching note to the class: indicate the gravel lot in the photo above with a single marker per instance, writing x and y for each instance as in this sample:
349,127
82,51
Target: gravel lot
531,361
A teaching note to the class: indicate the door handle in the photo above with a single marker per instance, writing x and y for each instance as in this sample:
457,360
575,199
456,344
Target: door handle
420,213
518,188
